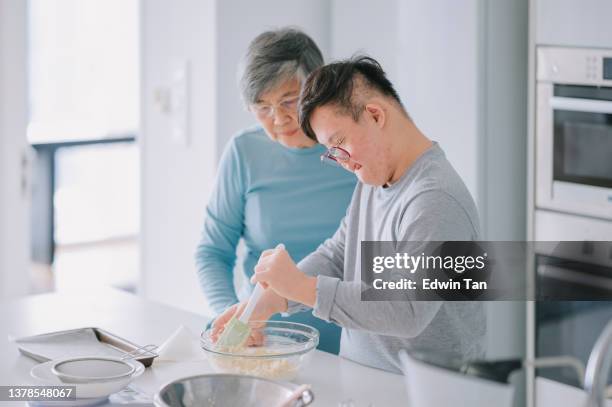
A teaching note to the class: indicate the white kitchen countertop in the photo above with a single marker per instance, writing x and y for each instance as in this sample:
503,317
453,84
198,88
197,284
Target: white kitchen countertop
333,378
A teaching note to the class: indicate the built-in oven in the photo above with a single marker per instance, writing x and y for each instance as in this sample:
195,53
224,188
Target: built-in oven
573,159
574,286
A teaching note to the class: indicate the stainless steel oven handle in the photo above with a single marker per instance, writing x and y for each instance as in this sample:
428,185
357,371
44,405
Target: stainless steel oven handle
572,276
581,105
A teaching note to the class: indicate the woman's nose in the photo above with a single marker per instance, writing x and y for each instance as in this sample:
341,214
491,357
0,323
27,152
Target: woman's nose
280,117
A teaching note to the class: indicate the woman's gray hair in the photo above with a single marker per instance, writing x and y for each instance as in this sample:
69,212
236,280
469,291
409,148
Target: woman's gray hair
274,57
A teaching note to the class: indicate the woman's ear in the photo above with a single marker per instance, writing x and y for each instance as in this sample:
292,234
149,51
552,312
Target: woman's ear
377,113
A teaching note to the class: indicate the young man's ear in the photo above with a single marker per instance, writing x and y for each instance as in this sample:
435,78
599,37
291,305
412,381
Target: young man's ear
377,113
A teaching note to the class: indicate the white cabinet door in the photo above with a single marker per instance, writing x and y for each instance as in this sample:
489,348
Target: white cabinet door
14,157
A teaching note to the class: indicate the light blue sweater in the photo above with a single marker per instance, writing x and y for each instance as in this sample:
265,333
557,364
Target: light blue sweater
267,194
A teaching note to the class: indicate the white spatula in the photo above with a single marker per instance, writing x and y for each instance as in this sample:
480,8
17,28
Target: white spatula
237,330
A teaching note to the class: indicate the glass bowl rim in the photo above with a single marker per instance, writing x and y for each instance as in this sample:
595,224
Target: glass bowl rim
310,331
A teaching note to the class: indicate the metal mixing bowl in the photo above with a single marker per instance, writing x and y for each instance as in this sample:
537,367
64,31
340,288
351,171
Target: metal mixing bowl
282,350
221,390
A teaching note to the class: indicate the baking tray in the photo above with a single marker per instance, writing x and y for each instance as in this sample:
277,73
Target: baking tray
115,344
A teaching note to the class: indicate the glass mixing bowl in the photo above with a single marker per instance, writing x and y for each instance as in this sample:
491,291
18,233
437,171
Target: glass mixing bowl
280,351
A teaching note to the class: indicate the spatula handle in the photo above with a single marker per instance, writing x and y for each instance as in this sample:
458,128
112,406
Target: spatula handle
248,310
257,292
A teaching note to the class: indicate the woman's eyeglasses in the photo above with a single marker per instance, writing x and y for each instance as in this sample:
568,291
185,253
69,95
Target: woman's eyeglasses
264,110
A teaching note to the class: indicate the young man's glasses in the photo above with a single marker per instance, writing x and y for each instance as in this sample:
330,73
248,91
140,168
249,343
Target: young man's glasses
335,156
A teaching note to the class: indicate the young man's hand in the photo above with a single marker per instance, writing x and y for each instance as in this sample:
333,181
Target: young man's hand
277,271
269,304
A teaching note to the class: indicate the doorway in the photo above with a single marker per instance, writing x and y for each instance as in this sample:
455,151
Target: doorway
83,127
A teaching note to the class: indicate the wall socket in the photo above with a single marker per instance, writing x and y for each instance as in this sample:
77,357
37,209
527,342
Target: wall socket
173,100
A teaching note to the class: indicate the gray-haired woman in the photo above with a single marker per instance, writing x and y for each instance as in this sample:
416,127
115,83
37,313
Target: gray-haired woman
272,187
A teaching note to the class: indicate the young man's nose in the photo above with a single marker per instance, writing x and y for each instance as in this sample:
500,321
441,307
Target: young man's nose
349,165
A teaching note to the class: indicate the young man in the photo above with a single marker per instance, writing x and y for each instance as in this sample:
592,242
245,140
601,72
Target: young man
408,191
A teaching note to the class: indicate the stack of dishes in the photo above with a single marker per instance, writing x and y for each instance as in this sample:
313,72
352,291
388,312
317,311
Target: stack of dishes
95,378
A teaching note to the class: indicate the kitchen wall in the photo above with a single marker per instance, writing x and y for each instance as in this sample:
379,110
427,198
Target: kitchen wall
359,26
14,203
176,174
440,65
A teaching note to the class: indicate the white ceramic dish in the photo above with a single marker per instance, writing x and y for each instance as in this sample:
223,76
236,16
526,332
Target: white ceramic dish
92,369
424,382
550,393
43,373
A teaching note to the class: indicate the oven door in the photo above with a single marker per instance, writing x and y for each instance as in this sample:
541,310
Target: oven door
574,149
570,327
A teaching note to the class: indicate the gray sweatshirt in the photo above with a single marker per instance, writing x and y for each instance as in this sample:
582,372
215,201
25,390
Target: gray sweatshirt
429,202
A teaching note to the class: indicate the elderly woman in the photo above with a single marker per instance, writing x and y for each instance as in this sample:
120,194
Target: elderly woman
271,185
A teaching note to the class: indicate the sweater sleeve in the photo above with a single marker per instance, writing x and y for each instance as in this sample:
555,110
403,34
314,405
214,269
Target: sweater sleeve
438,217
223,226
327,260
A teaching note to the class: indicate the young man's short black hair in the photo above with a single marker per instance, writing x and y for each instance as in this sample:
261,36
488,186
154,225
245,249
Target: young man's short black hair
333,84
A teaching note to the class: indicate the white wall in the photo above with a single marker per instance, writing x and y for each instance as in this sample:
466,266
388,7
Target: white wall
14,208
361,26
176,178
439,77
